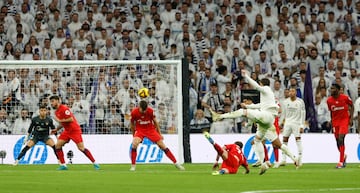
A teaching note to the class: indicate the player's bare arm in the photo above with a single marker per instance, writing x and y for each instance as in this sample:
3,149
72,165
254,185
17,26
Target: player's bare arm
157,125
132,128
67,120
247,170
216,164
351,111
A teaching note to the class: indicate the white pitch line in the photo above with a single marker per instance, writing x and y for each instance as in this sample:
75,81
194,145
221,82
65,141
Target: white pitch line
303,190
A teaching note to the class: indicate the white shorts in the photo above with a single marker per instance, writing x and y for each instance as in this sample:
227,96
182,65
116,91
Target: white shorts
291,129
268,134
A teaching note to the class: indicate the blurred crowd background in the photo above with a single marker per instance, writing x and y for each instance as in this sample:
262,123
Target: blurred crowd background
279,40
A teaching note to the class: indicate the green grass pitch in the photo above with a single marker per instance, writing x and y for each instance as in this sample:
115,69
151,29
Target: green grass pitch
165,178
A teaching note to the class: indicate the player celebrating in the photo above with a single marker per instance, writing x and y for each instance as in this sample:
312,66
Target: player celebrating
292,120
144,124
340,106
232,156
263,114
72,130
38,131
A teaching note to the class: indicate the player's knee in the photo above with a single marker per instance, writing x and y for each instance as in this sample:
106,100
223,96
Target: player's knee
257,140
340,141
134,145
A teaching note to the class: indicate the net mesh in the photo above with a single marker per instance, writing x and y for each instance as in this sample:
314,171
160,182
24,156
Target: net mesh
101,95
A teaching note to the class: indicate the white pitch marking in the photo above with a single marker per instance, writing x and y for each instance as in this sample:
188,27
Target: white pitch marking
304,190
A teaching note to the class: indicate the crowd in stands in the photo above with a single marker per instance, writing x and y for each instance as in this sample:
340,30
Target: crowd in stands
279,40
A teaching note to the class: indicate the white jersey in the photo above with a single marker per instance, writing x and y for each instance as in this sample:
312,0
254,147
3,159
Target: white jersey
356,108
293,112
267,97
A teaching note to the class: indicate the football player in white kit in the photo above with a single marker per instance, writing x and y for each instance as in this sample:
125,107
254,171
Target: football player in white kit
292,120
263,114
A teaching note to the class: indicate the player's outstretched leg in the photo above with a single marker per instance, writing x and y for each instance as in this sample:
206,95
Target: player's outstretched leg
22,153
207,136
215,116
60,155
217,147
133,159
171,156
230,115
91,158
284,148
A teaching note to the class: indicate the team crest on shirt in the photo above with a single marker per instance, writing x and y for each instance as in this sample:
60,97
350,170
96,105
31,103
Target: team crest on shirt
67,112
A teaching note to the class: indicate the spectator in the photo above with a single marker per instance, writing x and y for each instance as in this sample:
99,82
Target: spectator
212,100
21,123
4,122
114,120
81,110
322,114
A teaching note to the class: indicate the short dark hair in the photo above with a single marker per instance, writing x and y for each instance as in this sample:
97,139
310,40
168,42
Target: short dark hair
337,86
239,143
265,82
55,97
42,106
143,105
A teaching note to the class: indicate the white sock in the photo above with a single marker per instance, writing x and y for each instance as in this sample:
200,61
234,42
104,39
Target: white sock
299,146
286,150
283,154
232,115
259,150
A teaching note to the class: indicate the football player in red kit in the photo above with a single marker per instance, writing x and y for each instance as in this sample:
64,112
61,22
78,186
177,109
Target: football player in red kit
143,123
232,156
342,109
72,131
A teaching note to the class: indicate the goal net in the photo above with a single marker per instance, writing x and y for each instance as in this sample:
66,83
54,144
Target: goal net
101,94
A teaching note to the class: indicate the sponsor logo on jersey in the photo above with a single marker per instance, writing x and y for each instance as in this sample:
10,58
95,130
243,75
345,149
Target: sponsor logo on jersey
36,155
148,152
250,153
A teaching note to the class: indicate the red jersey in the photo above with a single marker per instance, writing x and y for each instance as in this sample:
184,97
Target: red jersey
64,112
236,151
235,159
143,121
339,108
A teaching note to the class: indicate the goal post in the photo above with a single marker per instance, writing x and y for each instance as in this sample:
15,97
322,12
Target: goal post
104,85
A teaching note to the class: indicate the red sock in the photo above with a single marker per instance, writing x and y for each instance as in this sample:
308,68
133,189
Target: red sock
60,155
276,154
133,156
170,155
266,154
218,149
88,154
342,153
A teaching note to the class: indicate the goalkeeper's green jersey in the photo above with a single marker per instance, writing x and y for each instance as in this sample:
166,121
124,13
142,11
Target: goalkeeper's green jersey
40,126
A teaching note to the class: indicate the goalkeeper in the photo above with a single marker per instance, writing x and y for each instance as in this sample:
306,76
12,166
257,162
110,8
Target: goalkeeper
38,131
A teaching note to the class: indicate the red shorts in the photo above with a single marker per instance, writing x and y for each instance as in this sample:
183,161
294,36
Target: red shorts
232,164
153,136
73,135
341,128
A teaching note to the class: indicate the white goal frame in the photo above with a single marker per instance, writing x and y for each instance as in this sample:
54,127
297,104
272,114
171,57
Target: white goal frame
16,64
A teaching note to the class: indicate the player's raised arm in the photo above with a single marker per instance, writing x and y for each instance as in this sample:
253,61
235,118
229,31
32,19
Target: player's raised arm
252,82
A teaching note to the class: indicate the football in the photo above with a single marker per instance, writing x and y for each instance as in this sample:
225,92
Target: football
143,92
